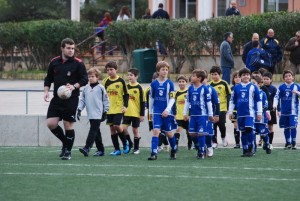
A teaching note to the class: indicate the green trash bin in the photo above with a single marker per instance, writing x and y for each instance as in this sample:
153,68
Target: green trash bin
145,61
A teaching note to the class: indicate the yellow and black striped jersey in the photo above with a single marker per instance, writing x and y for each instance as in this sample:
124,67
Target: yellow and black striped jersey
136,103
117,93
180,97
223,91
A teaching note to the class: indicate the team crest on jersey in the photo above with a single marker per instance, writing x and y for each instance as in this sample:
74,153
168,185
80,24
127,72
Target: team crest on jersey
262,130
219,87
134,91
243,95
69,73
194,97
117,86
161,92
287,93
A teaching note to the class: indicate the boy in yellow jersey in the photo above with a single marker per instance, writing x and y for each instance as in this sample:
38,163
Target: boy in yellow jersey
118,97
224,92
135,111
180,97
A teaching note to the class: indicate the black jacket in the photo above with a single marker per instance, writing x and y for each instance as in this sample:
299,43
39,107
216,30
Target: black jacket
62,72
232,11
295,51
161,14
247,48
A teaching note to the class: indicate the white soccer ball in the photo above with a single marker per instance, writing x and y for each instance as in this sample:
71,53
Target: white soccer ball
64,92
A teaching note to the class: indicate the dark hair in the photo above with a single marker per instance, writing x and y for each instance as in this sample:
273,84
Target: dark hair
227,34
255,44
256,78
182,77
94,71
124,11
68,41
244,71
134,71
234,74
111,64
256,72
262,71
160,5
200,74
215,69
268,74
286,72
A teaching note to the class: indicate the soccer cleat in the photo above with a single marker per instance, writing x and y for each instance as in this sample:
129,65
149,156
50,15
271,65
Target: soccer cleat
215,145
294,147
271,146
268,150
200,156
166,148
237,146
98,153
63,150
115,153
224,142
136,151
84,151
153,157
287,146
66,156
126,148
210,152
160,148
173,155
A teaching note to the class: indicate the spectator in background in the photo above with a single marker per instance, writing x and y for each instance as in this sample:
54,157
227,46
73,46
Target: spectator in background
226,57
124,14
103,24
271,45
248,46
147,14
232,10
161,14
294,47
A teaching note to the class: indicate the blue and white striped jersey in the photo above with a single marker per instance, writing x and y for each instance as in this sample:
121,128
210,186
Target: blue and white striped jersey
264,100
288,101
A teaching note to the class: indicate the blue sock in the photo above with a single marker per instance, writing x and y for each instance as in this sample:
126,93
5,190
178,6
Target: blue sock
172,142
244,139
201,141
287,134
250,137
294,135
154,144
208,141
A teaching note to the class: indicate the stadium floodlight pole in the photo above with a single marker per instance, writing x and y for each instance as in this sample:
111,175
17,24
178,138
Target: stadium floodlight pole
133,8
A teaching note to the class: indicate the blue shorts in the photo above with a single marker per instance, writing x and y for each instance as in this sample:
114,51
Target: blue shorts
210,128
198,124
166,124
244,122
290,121
261,128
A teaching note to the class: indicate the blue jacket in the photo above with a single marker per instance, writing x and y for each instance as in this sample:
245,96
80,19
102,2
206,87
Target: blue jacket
255,53
232,11
271,45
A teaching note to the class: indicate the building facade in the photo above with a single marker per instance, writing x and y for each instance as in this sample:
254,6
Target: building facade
204,9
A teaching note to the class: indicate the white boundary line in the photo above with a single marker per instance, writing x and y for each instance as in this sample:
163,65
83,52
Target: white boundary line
148,166
147,176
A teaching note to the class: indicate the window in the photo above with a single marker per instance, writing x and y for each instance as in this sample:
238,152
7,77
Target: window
185,8
275,5
221,7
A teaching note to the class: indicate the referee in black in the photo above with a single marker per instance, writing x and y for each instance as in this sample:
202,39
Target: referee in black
70,71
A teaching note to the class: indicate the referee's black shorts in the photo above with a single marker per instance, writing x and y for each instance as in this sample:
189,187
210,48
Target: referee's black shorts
64,109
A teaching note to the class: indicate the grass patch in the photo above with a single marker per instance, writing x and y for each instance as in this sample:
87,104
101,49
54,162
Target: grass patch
38,174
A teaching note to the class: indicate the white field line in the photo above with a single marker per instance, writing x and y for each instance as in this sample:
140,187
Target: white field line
147,176
148,166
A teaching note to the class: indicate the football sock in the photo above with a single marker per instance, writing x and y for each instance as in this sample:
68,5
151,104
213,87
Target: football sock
271,135
293,134
122,138
222,128
244,139
266,139
287,134
208,140
165,140
154,143
115,141
70,137
189,138
136,142
177,137
201,141
172,141
161,139
251,140
236,136
59,133
129,140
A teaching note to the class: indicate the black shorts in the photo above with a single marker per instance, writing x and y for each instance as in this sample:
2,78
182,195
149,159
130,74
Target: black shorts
64,109
183,124
222,117
234,117
133,121
273,117
114,119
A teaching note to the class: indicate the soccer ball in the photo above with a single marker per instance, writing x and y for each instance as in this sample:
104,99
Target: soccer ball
64,92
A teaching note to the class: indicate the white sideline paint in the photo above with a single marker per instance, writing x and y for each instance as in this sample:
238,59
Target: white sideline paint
145,166
148,176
